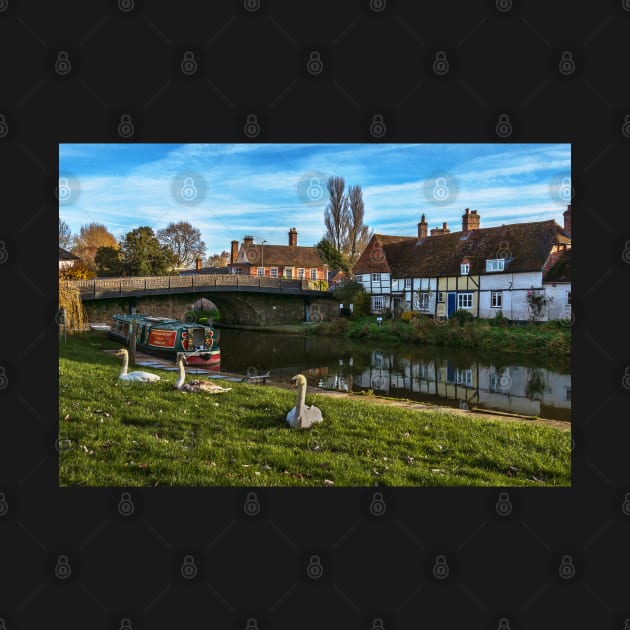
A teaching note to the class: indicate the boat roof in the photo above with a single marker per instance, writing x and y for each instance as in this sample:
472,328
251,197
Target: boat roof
158,321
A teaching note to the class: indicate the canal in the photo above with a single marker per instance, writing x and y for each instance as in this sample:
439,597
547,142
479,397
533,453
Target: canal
444,376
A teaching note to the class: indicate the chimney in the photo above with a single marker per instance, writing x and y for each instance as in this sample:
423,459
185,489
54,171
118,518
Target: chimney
292,237
234,252
436,231
567,220
470,220
197,264
422,228
248,240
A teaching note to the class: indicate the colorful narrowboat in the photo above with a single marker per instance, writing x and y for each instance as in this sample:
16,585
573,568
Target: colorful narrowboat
166,337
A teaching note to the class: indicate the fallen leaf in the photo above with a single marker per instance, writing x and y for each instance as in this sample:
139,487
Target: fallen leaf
67,417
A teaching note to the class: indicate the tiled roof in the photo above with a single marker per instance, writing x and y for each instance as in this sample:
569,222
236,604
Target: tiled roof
560,267
65,255
525,246
374,259
190,272
280,255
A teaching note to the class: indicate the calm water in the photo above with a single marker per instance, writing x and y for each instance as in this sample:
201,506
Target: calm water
445,376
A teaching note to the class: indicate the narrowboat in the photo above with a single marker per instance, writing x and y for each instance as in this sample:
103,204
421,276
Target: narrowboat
166,337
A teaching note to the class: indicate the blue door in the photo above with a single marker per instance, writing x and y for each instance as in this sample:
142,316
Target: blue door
450,304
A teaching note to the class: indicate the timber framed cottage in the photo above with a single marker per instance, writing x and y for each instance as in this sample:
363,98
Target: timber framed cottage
277,261
480,270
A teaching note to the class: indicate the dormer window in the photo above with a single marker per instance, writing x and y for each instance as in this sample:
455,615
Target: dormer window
465,268
495,264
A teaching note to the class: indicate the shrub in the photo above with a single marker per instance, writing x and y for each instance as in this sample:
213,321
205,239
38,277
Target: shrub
462,315
499,320
407,316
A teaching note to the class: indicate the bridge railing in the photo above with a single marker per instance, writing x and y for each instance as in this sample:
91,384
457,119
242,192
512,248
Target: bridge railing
198,282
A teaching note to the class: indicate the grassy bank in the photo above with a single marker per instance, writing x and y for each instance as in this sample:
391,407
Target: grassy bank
550,338
115,434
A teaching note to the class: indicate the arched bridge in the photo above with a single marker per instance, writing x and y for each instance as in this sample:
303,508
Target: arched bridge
240,299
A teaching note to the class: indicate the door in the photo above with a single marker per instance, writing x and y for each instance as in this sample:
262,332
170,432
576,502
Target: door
451,297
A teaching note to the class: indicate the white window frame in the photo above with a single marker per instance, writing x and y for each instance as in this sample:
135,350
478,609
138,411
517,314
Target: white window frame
286,272
463,376
464,269
440,297
273,272
422,300
261,272
460,300
376,300
376,276
494,302
407,283
495,264
300,272
314,273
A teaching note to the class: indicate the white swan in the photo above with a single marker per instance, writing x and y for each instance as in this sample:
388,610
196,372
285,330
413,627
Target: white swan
302,416
196,385
144,377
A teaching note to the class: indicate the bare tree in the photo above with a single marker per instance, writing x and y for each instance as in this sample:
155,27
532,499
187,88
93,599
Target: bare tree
219,260
184,241
336,215
65,236
357,233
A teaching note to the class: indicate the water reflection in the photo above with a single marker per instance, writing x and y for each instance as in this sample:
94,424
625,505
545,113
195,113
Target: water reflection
458,378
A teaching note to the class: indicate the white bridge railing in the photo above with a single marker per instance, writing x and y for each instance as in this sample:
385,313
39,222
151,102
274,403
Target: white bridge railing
154,284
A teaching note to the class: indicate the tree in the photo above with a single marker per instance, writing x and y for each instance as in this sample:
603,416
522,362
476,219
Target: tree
65,236
357,233
336,214
143,254
108,261
90,238
219,260
184,241
331,257
352,292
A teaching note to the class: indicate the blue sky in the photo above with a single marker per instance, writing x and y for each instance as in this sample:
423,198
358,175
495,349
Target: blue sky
230,190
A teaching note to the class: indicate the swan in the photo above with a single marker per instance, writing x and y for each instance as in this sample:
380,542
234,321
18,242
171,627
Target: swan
302,416
195,386
144,377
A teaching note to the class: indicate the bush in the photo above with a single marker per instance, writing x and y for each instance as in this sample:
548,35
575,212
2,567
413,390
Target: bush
499,320
407,316
462,315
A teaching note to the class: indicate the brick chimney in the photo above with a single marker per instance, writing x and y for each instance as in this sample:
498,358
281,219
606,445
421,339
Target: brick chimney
233,252
292,237
197,264
437,231
248,240
470,220
422,228
567,220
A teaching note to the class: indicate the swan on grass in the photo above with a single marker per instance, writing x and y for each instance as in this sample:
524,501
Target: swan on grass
143,377
302,416
196,385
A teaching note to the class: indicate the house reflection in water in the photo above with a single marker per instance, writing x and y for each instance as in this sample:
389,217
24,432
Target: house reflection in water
516,389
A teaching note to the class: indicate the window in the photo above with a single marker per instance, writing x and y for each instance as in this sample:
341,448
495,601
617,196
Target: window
422,301
495,264
273,272
463,377
261,272
300,272
464,300
407,283
568,298
313,273
288,272
376,277
377,303
496,299
465,268
499,381
237,271
567,393
441,297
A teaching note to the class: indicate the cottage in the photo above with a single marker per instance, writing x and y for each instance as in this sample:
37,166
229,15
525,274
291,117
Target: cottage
481,270
66,259
277,261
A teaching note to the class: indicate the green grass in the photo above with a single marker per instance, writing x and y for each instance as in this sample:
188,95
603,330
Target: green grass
115,434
